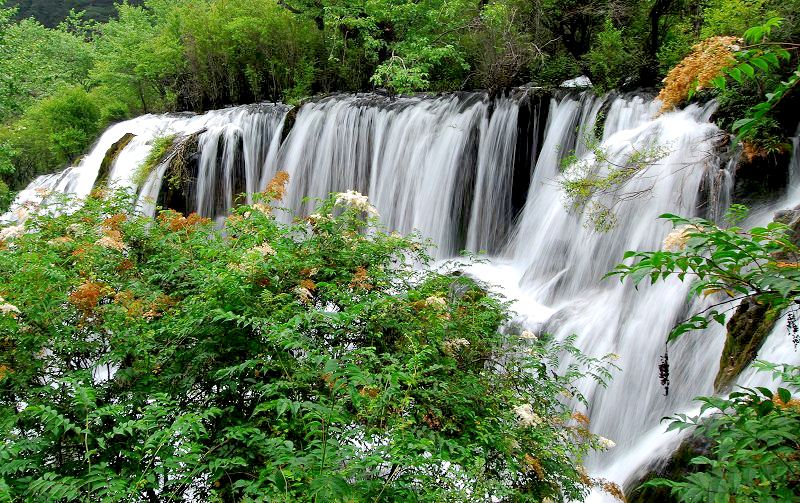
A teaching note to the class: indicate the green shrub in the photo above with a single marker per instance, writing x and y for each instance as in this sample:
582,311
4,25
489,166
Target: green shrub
754,453
51,133
610,61
262,361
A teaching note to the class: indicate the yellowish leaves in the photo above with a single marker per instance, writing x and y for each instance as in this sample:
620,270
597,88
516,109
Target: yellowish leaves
706,61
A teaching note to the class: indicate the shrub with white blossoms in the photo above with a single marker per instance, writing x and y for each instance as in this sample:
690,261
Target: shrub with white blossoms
356,200
11,232
264,348
606,443
8,309
452,346
526,415
677,238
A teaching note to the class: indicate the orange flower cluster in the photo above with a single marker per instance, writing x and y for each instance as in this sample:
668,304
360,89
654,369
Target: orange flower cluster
791,404
706,61
175,221
112,239
99,193
114,222
87,295
534,464
276,188
308,285
360,279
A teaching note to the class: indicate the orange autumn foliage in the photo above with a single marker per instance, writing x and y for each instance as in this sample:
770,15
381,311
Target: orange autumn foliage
706,61
276,188
86,296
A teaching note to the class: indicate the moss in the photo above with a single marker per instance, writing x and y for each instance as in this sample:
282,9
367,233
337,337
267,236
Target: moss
747,329
111,155
161,147
177,173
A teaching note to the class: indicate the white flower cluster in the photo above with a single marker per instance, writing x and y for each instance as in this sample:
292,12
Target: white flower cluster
355,200
12,231
304,294
528,335
526,415
265,250
677,239
7,309
453,345
606,444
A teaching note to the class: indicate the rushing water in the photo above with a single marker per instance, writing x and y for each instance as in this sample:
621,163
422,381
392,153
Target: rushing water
480,173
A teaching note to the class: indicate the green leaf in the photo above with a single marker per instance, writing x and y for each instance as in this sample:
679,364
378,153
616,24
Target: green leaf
760,63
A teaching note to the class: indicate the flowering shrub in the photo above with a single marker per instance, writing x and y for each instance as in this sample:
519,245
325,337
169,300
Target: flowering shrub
733,264
169,360
697,70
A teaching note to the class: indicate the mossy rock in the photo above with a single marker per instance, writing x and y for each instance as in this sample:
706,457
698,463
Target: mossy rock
180,176
675,467
111,155
748,328
288,122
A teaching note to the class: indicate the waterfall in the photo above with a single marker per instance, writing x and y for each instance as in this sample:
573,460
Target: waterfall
482,173
235,145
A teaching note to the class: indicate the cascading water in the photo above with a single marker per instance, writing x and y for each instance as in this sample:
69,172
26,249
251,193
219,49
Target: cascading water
457,168
235,145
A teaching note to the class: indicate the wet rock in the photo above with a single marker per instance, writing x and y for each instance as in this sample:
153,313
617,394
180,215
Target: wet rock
111,155
748,328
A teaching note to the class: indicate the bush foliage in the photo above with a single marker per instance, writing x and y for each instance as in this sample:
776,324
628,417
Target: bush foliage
172,360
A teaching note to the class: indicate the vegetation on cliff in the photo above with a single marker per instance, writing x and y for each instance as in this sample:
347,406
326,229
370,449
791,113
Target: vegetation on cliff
754,453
